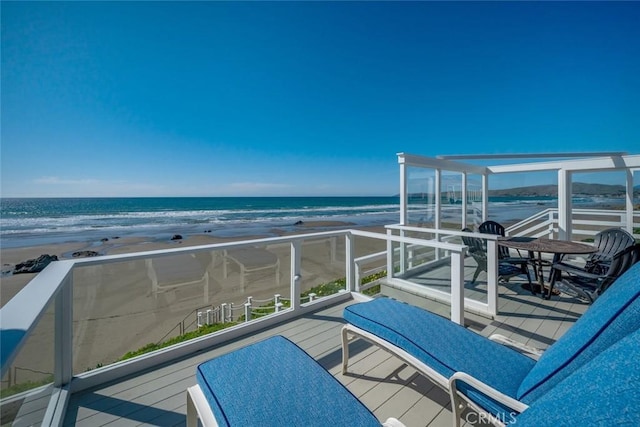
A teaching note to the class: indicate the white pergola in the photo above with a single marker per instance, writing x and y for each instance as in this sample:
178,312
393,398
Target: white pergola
571,163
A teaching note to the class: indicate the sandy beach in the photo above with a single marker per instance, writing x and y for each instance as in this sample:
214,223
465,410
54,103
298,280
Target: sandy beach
120,307
9,257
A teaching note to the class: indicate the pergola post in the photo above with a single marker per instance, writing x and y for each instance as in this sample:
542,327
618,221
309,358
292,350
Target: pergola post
403,193
564,204
438,199
464,199
485,196
629,201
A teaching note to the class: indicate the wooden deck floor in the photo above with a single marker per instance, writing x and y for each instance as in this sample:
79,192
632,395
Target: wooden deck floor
382,382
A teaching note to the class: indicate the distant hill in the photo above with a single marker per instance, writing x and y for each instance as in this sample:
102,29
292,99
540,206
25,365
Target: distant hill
579,188
551,190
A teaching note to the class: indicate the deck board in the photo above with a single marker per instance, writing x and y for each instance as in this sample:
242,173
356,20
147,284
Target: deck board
382,382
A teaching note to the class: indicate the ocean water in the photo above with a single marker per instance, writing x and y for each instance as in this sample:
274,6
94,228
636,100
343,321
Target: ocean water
27,222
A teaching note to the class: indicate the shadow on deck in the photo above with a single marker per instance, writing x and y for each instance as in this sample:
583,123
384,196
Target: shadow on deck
382,382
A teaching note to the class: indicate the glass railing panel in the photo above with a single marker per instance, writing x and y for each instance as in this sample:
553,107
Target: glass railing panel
263,276
475,278
371,254
451,200
514,197
411,260
419,265
322,267
421,196
127,308
474,201
365,245
258,275
118,309
26,388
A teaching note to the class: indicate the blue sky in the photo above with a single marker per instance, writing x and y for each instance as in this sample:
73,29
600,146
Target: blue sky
250,98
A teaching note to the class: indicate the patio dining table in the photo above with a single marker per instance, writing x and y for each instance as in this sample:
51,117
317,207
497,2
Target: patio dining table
559,248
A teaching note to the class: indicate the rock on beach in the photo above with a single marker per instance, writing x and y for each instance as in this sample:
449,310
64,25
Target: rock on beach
84,254
34,265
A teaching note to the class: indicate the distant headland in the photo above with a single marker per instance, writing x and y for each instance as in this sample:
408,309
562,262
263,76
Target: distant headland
578,189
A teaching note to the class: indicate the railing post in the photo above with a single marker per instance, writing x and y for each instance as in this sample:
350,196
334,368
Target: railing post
247,311
389,255
276,303
223,312
312,296
209,316
296,260
63,347
402,258
438,199
457,288
357,278
350,268
438,252
492,274
199,317
485,197
492,284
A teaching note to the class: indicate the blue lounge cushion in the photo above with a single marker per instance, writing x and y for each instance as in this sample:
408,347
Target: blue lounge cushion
603,392
444,346
611,317
274,382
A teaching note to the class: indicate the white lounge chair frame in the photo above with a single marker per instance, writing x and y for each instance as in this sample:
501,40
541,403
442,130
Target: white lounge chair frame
198,408
458,400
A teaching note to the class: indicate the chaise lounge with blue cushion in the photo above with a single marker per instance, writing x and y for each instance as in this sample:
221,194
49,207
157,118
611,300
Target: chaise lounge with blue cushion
273,383
493,379
239,389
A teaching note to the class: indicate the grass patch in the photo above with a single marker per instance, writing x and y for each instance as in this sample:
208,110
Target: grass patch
322,290
27,385
202,330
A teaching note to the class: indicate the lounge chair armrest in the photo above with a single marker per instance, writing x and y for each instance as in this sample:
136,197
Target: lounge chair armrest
515,260
576,271
491,392
533,352
392,422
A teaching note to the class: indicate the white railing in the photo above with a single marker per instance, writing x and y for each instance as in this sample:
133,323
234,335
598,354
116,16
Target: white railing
585,223
361,274
53,287
490,307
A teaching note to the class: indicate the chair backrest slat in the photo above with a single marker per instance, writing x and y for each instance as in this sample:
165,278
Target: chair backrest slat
492,227
609,242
